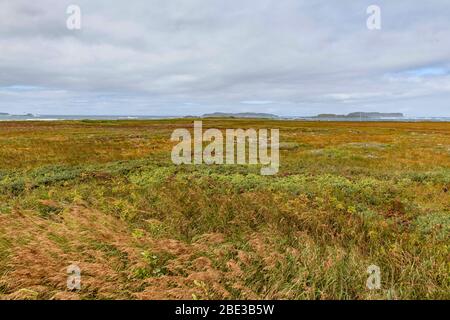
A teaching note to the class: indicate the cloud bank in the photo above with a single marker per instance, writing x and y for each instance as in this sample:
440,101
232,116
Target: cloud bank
178,57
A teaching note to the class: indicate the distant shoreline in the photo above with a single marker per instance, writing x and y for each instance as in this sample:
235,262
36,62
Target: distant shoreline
49,118
359,116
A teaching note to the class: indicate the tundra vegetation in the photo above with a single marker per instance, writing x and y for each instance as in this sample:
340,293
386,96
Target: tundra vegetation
105,196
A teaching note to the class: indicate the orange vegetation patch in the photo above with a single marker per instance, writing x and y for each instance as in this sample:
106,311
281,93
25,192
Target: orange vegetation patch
110,259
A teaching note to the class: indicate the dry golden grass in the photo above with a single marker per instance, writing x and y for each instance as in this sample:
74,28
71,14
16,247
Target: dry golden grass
105,196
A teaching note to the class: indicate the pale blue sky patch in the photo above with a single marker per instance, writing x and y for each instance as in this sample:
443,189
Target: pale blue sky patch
20,88
424,72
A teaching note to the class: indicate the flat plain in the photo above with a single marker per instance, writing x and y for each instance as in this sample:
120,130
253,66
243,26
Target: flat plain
105,196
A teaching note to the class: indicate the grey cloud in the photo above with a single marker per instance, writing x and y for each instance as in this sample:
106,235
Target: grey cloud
195,56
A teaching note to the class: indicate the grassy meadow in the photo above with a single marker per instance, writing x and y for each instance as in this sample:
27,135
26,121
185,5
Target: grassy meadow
104,195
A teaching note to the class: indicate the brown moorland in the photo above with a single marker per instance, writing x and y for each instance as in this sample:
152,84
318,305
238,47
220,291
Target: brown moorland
104,195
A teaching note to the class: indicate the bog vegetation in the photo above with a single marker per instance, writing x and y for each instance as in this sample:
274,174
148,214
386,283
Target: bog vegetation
105,195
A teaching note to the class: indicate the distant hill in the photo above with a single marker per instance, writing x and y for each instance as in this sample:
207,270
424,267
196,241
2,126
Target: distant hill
8,114
240,115
365,115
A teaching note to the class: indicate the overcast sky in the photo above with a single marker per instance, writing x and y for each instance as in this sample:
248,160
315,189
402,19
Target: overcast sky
179,57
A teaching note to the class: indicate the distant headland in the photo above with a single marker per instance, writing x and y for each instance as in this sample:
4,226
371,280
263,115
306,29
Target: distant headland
240,115
8,114
364,115
350,116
